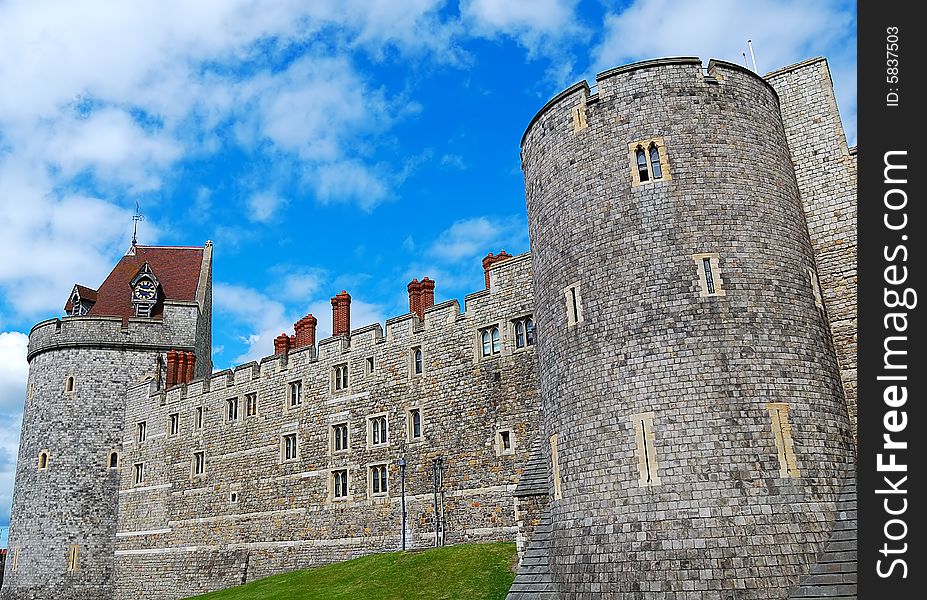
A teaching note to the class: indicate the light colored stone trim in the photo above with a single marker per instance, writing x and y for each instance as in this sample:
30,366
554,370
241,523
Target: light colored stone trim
717,280
555,467
574,304
646,449
782,432
664,161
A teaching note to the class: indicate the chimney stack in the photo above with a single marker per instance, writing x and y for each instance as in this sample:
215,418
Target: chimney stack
421,296
415,297
181,368
341,314
191,367
305,331
171,368
490,260
281,344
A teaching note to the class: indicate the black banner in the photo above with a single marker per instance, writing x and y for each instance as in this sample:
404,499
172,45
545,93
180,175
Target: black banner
892,463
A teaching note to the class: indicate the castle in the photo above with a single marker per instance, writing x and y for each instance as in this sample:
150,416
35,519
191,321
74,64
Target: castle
657,402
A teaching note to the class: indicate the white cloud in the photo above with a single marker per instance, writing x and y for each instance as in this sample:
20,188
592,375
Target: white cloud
473,238
534,23
262,317
783,32
14,371
264,205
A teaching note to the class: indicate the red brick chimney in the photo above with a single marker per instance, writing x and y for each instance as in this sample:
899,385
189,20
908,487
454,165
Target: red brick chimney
171,368
191,367
490,260
281,344
305,331
181,368
426,295
341,314
415,297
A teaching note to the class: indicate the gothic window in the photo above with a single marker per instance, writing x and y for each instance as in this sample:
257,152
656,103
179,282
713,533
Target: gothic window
642,171
113,460
231,409
43,460
295,393
251,404
341,377
69,384
378,480
490,341
377,431
417,361
415,424
524,332
139,473
289,447
655,161
173,424
649,163
340,437
340,484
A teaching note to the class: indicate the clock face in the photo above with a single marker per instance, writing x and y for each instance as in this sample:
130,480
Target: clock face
145,290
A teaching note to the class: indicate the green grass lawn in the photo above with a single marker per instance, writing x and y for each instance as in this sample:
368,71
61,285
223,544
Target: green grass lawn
463,572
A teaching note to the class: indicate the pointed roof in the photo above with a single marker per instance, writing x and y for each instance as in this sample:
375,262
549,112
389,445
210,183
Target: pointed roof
177,268
85,293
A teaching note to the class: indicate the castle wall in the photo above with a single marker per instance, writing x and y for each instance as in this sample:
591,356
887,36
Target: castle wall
179,534
826,172
657,372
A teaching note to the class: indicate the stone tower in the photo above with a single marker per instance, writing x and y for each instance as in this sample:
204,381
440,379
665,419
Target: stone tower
694,415
156,302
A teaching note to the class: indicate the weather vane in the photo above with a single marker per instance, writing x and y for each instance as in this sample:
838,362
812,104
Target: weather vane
138,216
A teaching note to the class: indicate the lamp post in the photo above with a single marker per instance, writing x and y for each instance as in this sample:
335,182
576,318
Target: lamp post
402,486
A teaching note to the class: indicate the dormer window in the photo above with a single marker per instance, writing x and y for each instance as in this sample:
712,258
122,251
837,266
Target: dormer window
82,300
145,289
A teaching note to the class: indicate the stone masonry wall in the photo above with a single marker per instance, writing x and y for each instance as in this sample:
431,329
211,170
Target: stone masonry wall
655,358
826,172
186,528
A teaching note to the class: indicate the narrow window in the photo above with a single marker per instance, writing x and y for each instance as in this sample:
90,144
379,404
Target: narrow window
378,431
141,431
198,418
295,393
139,473
486,342
579,118
113,459
340,437
782,431
233,497
290,448
642,164
710,281
529,331
415,424
199,463
340,483
524,332
231,409
378,479
251,404
504,442
816,289
519,334
555,467
491,343
655,161
72,558
69,384
496,345
14,561
369,365
341,377
574,305
417,365
43,460
646,450
173,424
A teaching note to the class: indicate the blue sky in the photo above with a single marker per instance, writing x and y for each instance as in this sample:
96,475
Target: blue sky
321,145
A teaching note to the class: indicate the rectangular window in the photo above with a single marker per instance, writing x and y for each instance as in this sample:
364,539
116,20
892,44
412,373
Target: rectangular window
369,365
72,558
234,497
418,361
199,463
415,424
646,449
139,473
289,447
231,409
295,393
198,418
377,432
574,304
141,431
709,274
340,439
378,480
340,484
173,424
251,404
555,467
340,377
782,431
504,442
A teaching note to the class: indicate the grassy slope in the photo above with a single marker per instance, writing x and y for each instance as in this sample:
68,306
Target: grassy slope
463,572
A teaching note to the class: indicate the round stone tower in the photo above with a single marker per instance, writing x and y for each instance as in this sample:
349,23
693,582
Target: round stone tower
65,499
696,425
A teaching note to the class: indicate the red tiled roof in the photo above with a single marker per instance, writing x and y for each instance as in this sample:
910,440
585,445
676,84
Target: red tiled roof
85,294
177,269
